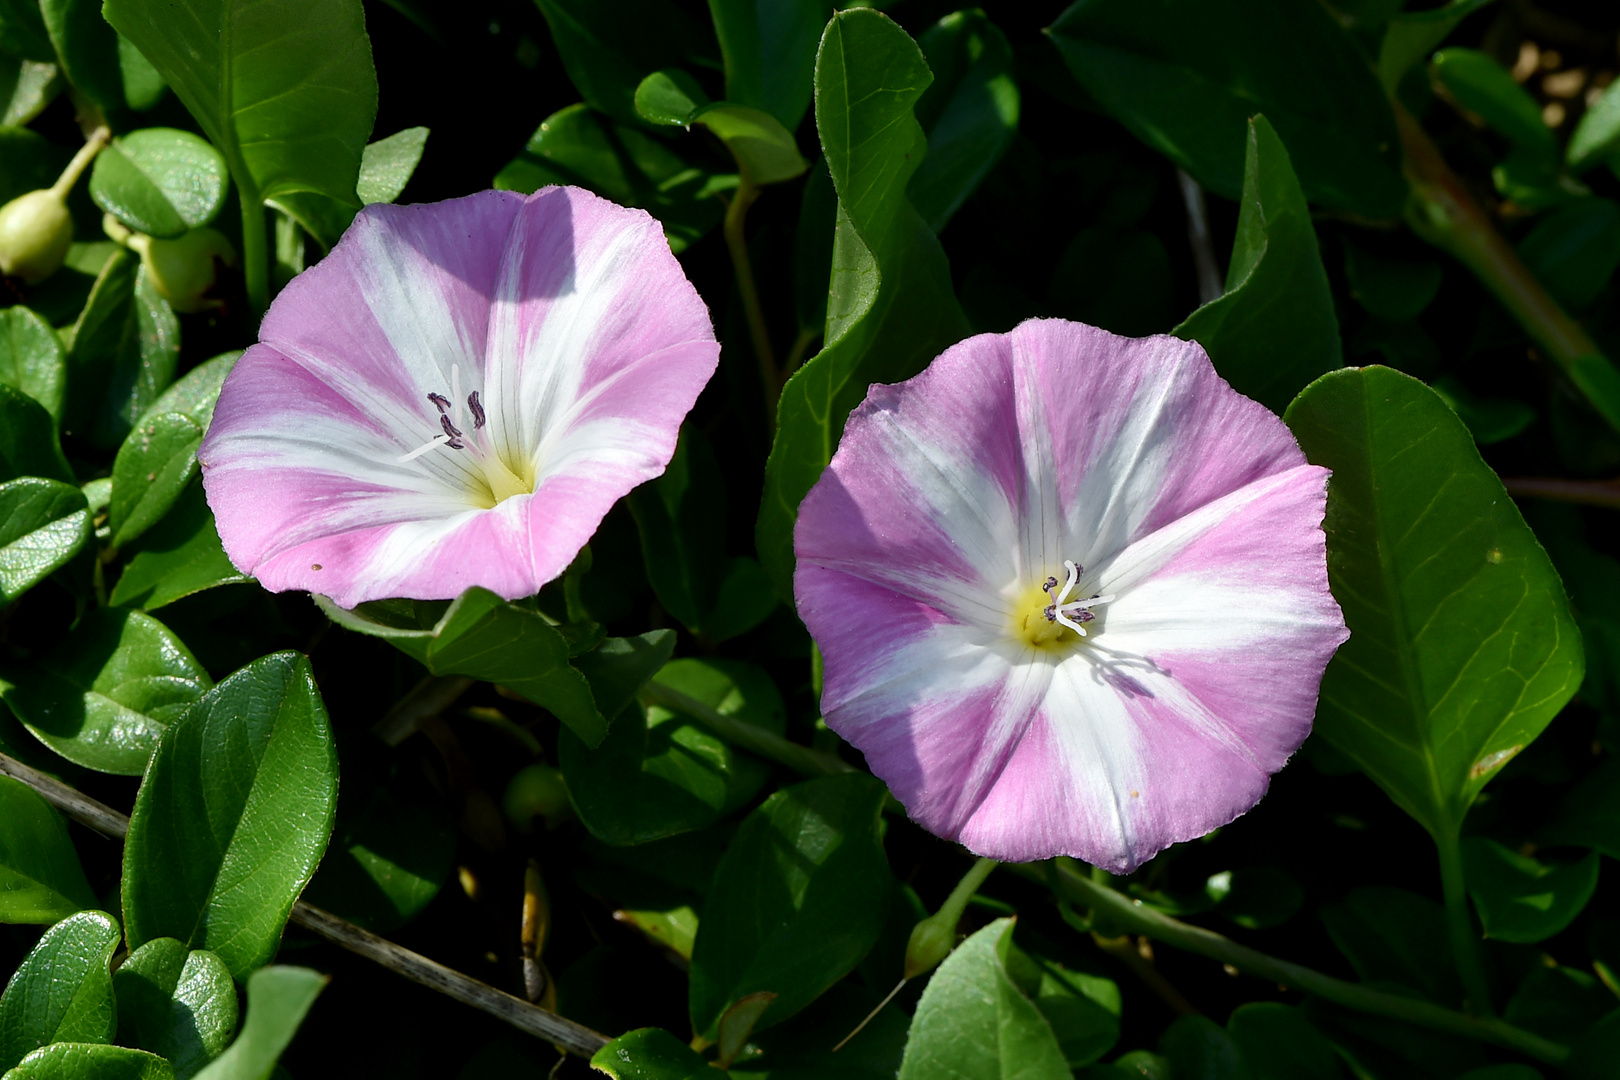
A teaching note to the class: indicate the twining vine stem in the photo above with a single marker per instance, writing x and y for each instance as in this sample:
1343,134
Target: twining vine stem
1464,938
759,334
575,1038
741,733
1120,911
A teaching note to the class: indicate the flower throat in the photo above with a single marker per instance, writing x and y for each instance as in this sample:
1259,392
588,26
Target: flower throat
500,481
1047,619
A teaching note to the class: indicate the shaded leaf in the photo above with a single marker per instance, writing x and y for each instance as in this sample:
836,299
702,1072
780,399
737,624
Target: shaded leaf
651,1054
153,466
278,999
180,556
43,524
41,880
28,442
32,360
1522,899
770,53
126,344
176,1003
91,1061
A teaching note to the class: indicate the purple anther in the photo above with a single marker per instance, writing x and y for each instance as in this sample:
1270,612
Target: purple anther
1051,613
1083,616
450,430
1051,583
441,401
476,409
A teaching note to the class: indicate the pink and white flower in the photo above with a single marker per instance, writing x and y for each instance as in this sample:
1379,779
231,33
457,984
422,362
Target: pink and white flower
455,396
1071,593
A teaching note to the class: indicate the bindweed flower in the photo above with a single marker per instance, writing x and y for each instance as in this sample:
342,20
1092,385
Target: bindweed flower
455,396
1070,591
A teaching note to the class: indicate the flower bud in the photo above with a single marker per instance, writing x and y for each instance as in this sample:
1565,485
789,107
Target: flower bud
931,941
35,231
183,269
536,791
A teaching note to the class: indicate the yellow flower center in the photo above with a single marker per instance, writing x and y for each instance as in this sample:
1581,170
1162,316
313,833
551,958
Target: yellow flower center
1050,617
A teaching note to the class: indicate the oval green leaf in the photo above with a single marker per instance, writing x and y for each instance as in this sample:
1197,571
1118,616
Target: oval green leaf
180,556
177,1003
91,1061
32,360
152,468
41,879
160,181
62,991
28,442
1520,898
43,524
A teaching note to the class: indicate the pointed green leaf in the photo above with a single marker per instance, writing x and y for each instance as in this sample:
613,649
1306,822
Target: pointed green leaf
1597,137
26,87
177,1003
125,348
62,991
387,164
607,49
41,880
28,442
1412,35
180,556
86,50
770,52
43,524
1522,899
651,1054
1485,87
233,815
32,360
1462,647
152,468
278,999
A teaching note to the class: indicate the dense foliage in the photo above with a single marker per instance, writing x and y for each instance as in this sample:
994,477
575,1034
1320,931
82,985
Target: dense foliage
1397,229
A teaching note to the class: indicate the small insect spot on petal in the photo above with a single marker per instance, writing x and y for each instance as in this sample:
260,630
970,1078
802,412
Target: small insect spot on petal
315,566
1136,794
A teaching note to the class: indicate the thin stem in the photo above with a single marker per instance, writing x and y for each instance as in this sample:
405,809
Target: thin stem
737,243
1590,492
87,153
956,903
1460,925
1132,915
755,740
1127,952
1445,214
255,251
419,969
1210,285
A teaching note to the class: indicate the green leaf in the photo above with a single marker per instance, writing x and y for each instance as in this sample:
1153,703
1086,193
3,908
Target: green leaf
1197,1048
1522,899
125,348
669,97
22,31
659,773
1279,1043
62,991
41,880
1597,137
1590,815
278,999
618,668
798,899
102,696
770,53
180,556
651,1054
970,112
86,49
482,636
1483,86
765,150
32,360
233,816
28,442
152,468
813,251
91,1061
973,1021
178,1003
1257,897
608,49
43,524
1593,1057
1491,420
746,599
1274,330
284,90
143,86
1462,646
26,87
197,391
1558,1003
1185,76
1391,935
1410,35
891,308
1394,290
1575,249
1083,1009
681,516
618,162
160,181
387,164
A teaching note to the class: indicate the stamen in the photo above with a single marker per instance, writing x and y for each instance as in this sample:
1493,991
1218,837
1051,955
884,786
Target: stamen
449,428
441,401
477,410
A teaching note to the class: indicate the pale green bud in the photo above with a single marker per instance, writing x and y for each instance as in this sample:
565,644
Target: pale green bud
35,231
183,269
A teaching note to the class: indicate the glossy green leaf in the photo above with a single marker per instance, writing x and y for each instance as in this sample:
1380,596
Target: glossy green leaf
126,345
1522,899
1590,814
91,1061
143,86
608,49
765,150
1491,420
770,52
622,163
62,991
86,50
197,391
22,31
1395,290
179,556
1274,329
1410,36
1596,138
152,468
681,516
1462,647
26,87
284,90
891,307
970,112
669,97
1083,1010
1279,1043
798,900
41,880
617,668
651,1054
177,1003
1185,76
242,789
1197,1048
160,181
278,998
1575,249
1484,87
1391,935
660,773
28,442
387,164
32,360
43,524
102,697
482,636
973,1020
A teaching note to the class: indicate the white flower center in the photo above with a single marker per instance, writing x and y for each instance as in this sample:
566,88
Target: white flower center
1043,617
465,430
